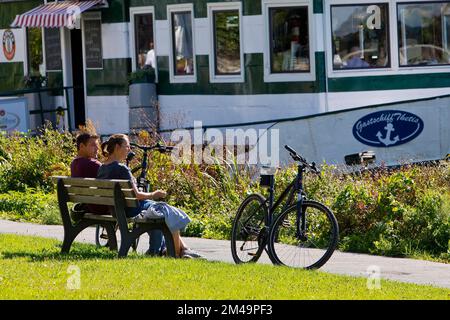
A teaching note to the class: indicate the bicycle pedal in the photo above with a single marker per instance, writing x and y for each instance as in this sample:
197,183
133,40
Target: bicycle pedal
104,236
252,254
286,224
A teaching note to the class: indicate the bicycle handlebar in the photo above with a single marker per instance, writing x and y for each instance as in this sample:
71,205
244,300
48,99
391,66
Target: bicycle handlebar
157,147
299,158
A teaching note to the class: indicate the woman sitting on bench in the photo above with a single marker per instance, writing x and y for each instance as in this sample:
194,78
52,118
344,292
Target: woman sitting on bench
116,150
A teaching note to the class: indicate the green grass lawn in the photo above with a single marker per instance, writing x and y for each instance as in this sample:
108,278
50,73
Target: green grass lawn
33,268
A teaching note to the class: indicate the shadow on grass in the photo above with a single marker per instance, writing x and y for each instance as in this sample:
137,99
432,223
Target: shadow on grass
77,252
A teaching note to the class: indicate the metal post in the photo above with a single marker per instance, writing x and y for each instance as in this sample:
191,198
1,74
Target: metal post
68,108
40,107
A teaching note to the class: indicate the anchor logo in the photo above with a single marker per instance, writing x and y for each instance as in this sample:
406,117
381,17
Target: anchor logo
387,139
387,128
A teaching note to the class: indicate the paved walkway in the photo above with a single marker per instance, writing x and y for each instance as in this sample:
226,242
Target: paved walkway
399,269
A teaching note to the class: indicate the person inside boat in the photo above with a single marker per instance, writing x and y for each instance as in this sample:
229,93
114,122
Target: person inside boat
150,60
429,56
382,60
355,60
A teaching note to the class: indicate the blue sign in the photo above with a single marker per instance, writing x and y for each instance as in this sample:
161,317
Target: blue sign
387,128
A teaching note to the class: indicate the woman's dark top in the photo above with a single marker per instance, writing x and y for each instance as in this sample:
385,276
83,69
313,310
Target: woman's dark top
115,170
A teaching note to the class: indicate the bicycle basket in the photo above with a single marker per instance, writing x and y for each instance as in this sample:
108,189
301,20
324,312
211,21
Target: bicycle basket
267,176
266,180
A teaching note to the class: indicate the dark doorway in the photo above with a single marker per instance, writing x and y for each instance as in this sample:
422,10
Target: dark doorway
78,77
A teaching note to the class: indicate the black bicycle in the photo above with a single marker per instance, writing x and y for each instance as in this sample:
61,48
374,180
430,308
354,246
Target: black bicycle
142,183
304,235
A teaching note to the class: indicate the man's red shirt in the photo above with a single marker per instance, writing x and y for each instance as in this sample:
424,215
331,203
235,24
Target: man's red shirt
84,167
87,168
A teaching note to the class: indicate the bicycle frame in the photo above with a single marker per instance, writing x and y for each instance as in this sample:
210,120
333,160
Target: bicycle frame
259,224
296,186
142,182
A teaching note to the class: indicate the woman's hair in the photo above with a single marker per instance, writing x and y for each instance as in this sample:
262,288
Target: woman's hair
109,145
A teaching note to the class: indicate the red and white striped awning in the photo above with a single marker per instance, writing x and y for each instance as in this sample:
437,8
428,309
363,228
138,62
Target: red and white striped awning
54,14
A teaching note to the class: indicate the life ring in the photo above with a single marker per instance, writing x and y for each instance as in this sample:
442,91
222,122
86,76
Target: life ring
9,44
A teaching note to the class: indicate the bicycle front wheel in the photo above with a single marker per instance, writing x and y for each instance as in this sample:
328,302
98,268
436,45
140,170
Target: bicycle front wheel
308,250
249,235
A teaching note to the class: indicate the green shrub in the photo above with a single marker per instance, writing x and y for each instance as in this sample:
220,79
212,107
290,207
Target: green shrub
30,206
30,161
404,213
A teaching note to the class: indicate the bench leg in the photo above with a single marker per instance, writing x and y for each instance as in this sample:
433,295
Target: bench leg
112,239
69,236
125,246
129,238
70,233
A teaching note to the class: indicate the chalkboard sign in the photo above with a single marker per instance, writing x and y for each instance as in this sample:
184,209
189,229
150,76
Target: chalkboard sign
52,49
93,44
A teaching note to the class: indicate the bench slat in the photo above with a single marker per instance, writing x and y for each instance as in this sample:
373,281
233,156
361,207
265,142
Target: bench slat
105,192
99,217
91,182
103,217
131,203
90,191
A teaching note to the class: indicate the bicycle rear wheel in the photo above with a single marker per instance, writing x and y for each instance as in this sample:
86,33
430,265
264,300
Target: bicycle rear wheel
311,250
101,237
249,235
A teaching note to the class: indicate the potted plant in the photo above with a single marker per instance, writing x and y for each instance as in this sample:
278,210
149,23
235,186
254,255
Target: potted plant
142,76
141,87
142,98
34,81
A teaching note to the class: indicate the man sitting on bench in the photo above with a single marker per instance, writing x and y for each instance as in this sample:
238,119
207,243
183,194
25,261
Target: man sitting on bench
86,165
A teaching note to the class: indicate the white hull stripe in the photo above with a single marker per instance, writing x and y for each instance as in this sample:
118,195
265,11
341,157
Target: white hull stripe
53,15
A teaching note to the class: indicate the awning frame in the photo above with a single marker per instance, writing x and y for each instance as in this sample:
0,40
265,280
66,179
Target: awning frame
57,14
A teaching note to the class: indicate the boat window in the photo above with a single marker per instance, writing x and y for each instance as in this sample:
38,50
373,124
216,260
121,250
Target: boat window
289,39
92,26
34,47
227,42
182,40
144,43
360,36
52,42
423,34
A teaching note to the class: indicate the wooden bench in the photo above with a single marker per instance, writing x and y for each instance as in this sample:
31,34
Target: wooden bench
117,194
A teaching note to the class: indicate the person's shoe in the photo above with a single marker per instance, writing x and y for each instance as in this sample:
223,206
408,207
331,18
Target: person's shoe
186,256
193,254
77,212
